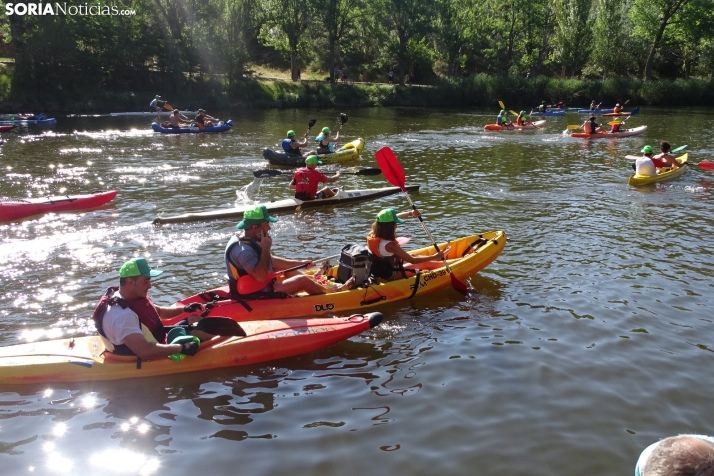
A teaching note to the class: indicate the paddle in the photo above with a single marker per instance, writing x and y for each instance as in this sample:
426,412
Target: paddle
342,118
168,107
394,173
634,112
248,285
704,164
274,173
309,125
217,326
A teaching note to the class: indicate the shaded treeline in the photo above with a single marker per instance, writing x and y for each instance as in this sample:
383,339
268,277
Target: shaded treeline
205,48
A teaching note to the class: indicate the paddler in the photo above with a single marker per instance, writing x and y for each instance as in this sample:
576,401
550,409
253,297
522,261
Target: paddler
130,323
665,158
385,253
292,146
591,127
616,126
645,165
617,109
502,120
306,180
326,143
521,119
203,120
542,107
175,120
157,105
250,255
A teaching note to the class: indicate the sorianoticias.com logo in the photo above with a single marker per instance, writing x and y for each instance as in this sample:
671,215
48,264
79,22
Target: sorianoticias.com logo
64,9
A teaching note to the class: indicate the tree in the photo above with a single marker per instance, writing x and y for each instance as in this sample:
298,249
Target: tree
611,31
335,16
573,34
285,23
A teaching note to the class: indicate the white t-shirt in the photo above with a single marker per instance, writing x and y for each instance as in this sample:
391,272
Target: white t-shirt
119,323
383,248
644,166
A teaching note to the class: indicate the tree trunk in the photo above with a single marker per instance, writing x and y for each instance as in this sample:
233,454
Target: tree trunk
332,61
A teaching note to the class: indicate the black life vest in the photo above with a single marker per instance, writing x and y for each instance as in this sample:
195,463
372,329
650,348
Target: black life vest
237,272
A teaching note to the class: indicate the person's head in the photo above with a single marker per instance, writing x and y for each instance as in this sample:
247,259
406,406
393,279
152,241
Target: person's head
502,113
543,102
256,220
312,162
617,121
592,118
135,278
326,131
385,226
291,133
157,97
617,105
201,111
665,147
176,112
683,455
647,150
522,113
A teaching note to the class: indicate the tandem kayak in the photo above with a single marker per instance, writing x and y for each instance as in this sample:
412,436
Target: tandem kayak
349,151
595,111
516,127
287,205
468,255
220,127
186,113
547,113
16,209
610,135
39,122
663,173
83,359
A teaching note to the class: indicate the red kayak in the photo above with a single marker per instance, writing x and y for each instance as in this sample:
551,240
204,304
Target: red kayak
6,128
16,209
612,114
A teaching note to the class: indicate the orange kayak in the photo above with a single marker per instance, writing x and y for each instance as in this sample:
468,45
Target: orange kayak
16,209
516,127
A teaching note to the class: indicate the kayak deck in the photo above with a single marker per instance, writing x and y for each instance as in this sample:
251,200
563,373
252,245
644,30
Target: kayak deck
286,205
17,209
664,173
610,135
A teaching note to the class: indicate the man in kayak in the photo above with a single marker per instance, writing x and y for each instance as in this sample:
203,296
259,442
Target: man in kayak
521,119
502,120
594,106
157,105
250,256
175,120
292,146
306,180
385,253
645,165
665,159
542,107
616,127
591,127
326,143
617,108
677,456
130,323
202,120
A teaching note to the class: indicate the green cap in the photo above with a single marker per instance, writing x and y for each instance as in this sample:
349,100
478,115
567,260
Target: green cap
313,160
617,119
326,130
157,96
138,267
388,215
291,133
647,149
503,111
255,216
523,112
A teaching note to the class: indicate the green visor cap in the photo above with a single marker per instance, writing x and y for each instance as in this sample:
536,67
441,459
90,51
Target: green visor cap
255,216
523,113
157,96
291,133
138,267
647,149
313,160
388,215
326,130
502,111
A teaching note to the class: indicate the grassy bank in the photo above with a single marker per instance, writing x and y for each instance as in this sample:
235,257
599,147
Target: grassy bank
476,91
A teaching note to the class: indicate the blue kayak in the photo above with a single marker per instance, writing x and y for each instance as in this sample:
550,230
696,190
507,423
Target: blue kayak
39,122
595,111
220,127
547,113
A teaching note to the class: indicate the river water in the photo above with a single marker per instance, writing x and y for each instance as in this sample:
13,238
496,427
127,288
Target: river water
592,337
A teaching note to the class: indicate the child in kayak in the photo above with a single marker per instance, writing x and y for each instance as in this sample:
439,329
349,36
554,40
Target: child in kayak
502,120
617,125
521,119
665,158
645,165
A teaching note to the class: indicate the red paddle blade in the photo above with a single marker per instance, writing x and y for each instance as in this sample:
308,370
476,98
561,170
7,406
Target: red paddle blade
462,288
706,165
391,168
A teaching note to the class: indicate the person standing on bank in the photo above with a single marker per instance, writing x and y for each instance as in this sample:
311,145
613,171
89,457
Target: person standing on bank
306,180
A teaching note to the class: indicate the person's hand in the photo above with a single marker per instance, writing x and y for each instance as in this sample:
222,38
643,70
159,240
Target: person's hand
416,213
264,240
194,307
337,174
442,254
308,264
189,348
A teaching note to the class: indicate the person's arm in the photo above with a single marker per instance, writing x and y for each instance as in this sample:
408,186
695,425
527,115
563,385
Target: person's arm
260,271
334,178
172,311
397,250
292,184
148,350
301,144
280,264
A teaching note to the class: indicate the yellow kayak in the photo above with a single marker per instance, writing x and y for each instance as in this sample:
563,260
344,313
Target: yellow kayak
663,173
470,255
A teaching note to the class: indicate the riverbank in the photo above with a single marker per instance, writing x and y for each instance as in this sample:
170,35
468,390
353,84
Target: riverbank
475,91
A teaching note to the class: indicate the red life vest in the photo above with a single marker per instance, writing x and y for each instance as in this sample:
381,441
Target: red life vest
382,266
143,307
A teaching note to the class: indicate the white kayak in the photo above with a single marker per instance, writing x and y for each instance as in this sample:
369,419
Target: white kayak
287,205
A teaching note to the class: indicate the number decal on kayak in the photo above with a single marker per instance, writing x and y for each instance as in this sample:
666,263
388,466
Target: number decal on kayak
324,307
428,277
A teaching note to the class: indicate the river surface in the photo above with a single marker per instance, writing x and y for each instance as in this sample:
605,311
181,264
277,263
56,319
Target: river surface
592,337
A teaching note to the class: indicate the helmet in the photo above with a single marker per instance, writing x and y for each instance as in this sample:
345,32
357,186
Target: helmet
326,130
523,113
291,133
503,111
647,149
617,105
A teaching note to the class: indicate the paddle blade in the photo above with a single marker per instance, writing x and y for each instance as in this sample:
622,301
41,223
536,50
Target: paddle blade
391,168
220,326
635,111
266,173
343,117
168,107
706,165
513,112
311,123
572,127
369,172
500,103
678,149
462,288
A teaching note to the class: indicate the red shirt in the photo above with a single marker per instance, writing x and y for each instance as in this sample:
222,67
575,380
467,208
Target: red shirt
307,180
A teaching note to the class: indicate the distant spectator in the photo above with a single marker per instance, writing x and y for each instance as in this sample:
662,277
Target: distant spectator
344,74
528,75
337,73
390,76
683,455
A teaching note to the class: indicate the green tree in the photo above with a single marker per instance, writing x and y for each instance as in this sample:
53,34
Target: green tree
611,31
286,21
573,34
335,16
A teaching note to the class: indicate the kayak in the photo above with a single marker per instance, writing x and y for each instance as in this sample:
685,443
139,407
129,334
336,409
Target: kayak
220,127
16,209
287,205
39,122
595,111
82,359
349,151
185,113
610,135
663,173
547,113
516,127
613,114
7,128
568,109
470,255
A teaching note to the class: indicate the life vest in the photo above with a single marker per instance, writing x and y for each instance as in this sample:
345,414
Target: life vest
593,127
330,145
286,145
236,272
382,266
149,319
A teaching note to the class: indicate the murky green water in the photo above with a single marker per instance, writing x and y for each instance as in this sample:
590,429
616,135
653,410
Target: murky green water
592,339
